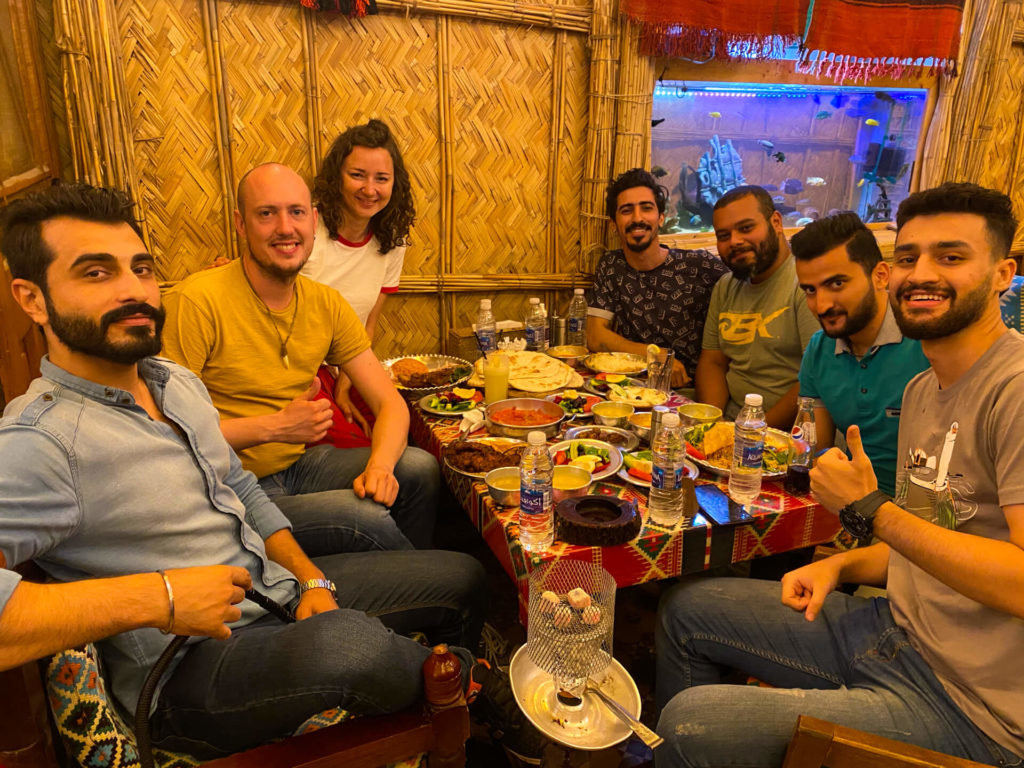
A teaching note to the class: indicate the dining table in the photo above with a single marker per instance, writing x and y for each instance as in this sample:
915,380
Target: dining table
779,522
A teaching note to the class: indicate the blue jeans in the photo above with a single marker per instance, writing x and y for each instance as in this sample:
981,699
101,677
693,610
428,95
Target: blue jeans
315,494
852,665
269,677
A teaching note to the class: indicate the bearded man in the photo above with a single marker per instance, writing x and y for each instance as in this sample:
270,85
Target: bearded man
758,323
857,366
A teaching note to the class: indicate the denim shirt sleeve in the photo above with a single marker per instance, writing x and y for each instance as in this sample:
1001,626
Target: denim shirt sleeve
34,516
262,515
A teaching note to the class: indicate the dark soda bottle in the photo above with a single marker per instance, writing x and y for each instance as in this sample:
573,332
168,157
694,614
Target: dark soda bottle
798,478
803,443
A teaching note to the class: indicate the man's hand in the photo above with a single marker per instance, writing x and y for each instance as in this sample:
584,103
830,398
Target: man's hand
206,599
378,483
837,481
344,402
303,420
805,589
680,378
314,601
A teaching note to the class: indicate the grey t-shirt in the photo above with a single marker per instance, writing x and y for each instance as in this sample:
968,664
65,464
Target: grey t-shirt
975,431
763,330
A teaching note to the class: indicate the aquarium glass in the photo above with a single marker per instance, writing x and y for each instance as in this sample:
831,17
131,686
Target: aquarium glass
817,149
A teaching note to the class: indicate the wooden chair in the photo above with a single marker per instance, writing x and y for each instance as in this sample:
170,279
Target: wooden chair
818,743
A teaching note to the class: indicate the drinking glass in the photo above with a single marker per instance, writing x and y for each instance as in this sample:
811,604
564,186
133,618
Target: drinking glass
495,377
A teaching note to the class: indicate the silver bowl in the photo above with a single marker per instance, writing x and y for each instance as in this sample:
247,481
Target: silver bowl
503,496
626,440
549,427
625,410
569,354
644,433
577,478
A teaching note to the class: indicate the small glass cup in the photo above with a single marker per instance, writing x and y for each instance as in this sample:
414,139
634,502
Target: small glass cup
495,377
659,370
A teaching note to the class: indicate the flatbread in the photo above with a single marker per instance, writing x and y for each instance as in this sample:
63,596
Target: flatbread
532,372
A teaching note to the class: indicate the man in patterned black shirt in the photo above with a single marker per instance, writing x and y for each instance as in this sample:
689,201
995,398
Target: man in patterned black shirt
652,294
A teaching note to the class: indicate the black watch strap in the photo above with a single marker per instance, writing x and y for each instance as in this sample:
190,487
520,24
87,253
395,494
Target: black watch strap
858,518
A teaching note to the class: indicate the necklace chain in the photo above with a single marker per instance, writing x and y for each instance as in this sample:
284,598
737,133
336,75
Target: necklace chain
295,314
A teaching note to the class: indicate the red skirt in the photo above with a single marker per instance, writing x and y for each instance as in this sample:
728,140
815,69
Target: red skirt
342,434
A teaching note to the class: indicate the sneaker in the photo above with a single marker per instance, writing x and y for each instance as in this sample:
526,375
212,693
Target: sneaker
496,706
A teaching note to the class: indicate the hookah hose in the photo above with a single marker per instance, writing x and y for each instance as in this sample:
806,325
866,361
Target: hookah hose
143,742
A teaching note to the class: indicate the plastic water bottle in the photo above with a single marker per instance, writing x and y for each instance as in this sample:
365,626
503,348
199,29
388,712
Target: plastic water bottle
486,330
665,502
804,442
547,327
536,327
536,495
748,451
576,320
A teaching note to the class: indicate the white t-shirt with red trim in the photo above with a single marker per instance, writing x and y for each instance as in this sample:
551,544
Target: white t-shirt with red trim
358,271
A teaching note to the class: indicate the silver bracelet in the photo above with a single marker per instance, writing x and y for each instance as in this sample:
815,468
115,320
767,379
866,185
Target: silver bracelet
170,599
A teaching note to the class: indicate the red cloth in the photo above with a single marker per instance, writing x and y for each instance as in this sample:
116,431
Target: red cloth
865,38
702,29
342,434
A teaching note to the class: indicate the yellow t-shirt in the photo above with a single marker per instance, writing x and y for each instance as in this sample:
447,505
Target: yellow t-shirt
219,329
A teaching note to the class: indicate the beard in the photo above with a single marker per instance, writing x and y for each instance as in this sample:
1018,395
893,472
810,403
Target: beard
643,245
90,337
271,269
856,321
962,312
765,254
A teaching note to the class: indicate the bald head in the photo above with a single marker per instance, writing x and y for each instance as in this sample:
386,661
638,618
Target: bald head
266,174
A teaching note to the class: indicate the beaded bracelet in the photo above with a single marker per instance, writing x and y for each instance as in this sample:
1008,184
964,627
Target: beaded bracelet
170,599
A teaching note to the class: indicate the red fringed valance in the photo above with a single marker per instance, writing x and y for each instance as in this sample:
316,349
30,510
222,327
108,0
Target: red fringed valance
347,7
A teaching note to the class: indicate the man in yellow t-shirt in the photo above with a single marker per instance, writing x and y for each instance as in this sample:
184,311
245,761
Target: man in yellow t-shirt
255,331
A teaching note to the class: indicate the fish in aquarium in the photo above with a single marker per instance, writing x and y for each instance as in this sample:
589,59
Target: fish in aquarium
769,188
804,201
658,172
815,181
837,101
804,221
778,199
883,96
696,221
767,145
871,121
792,186
656,122
823,115
714,114
780,157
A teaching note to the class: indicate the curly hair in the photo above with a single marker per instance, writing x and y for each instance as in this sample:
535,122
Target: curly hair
391,224
634,177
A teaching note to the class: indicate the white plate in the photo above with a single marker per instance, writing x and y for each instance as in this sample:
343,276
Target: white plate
724,472
499,443
424,405
614,455
433,363
533,689
623,474
591,400
604,392
630,363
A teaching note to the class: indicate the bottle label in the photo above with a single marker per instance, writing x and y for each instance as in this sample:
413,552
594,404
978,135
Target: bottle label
752,455
533,501
666,479
487,340
575,324
804,431
534,336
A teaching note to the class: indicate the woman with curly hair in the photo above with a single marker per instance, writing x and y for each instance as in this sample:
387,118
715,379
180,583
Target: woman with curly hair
364,198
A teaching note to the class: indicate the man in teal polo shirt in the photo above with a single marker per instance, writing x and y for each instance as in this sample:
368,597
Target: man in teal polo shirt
858,365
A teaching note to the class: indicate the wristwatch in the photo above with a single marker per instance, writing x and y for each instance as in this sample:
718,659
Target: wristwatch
318,584
858,517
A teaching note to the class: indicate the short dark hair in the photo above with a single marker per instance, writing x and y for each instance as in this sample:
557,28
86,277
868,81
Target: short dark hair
22,221
764,200
392,223
963,197
635,177
845,228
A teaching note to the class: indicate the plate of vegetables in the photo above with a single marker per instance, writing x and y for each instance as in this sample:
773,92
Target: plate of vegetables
454,402
601,383
575,403
710,445
599,458
637,465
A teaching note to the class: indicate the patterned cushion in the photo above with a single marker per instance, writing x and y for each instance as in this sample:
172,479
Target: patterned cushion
94,734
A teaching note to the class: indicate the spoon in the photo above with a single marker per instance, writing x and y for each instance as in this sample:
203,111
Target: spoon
647,736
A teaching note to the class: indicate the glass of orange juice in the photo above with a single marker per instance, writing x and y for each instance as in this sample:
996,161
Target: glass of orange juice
495,377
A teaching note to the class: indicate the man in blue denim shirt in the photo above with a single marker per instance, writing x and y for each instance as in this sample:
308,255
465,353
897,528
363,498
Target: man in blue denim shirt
116,480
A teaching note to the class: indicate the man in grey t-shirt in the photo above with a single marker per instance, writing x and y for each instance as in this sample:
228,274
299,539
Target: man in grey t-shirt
938,661
758,323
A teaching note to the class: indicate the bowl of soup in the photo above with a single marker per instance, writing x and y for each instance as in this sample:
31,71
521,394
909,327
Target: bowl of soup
519,416
609,414
503,485
570,482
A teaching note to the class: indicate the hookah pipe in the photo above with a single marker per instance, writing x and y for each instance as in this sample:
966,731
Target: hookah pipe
142,736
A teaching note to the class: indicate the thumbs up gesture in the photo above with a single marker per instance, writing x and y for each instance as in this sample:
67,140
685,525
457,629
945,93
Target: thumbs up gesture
838,480
305,419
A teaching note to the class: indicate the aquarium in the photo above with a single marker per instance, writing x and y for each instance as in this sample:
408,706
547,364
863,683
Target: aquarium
817,149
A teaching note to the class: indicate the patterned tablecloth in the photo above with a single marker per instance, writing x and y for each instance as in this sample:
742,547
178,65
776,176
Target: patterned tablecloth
782,522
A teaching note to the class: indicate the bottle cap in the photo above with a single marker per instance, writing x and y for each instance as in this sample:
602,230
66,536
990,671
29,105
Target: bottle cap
485,303
753,398
670,420
578,292
535,300
661,409
536,438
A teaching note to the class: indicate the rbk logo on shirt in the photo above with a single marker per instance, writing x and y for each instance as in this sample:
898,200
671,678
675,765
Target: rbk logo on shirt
744,327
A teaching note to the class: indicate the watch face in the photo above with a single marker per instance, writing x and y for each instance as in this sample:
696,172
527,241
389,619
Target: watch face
854,523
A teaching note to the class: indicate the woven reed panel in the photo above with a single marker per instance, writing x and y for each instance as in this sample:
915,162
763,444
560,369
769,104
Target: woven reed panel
501,112
572,152
266,93
171,122
396,81
51,67
408,325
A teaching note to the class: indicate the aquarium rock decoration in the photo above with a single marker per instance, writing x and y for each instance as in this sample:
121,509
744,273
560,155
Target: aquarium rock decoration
718,171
